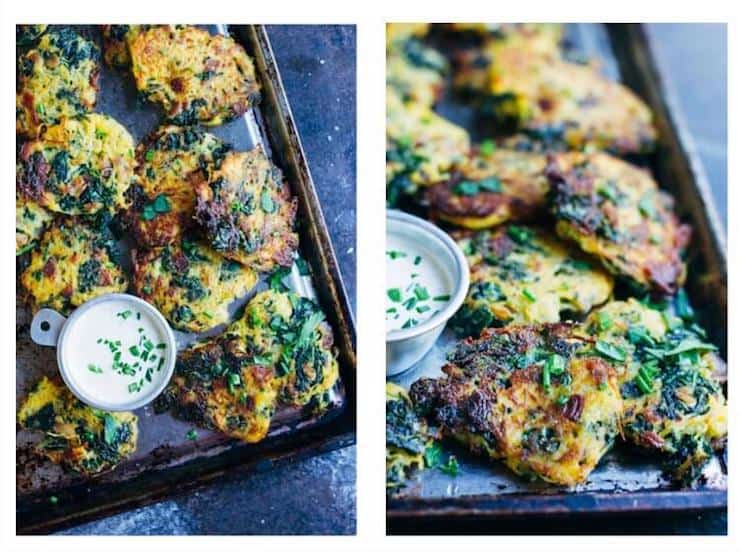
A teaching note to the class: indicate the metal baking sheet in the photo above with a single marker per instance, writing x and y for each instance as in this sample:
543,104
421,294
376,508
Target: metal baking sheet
625,480
165,460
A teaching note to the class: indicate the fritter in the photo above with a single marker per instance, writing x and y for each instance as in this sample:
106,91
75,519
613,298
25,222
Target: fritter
116,40
247,211
30,220
615,212
416,71
170,161
57,79
548,97
79,167
526,395
406,437
73,263
400,32
278,353
80,438
472,63
25,35
523,275
290,333
190,284
196,77
492,187
672,401
421,146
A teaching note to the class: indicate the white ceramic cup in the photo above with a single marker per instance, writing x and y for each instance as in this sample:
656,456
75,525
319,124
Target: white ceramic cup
49,328
405,347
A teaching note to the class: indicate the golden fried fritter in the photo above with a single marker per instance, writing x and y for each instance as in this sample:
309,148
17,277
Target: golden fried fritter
416,71
421,146
556,100
78,437
116,40
290,333
73,263
490,188
58,78
525,394
167,160
190,284
521,275
247,211
196,77
615,212
672,401
406,437
79,167
30,220
278,353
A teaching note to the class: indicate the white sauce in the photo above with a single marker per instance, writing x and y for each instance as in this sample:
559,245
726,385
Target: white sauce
111,348
417,287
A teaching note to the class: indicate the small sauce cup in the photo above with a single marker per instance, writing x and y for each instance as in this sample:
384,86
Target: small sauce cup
406,346
49,328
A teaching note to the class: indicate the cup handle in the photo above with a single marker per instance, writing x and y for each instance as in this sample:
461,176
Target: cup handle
45,327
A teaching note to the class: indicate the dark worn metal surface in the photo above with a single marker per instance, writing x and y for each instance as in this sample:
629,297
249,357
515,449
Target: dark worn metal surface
622,484
166,462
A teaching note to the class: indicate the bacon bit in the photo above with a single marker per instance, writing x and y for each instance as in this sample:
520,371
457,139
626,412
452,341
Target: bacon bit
177,84
262,374
545,104
68,291
573,408
50,268
652,439
600,370
180,262
105,278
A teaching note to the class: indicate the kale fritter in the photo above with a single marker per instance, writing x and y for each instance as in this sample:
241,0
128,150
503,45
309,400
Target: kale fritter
521,275
278,353
421,146
79,167
196,77
526,395
170,161
57,79
247,211
116,40
406,437
73,263
290,333
493,186
190,284
80,438
615,212
25,35
545,96
30,220
672,401
416,71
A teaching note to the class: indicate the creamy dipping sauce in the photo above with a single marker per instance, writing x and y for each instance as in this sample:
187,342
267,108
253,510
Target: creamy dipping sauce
116,352
417,287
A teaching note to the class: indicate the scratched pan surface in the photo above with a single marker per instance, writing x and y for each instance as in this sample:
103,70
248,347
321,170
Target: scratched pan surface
625,481
165,460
